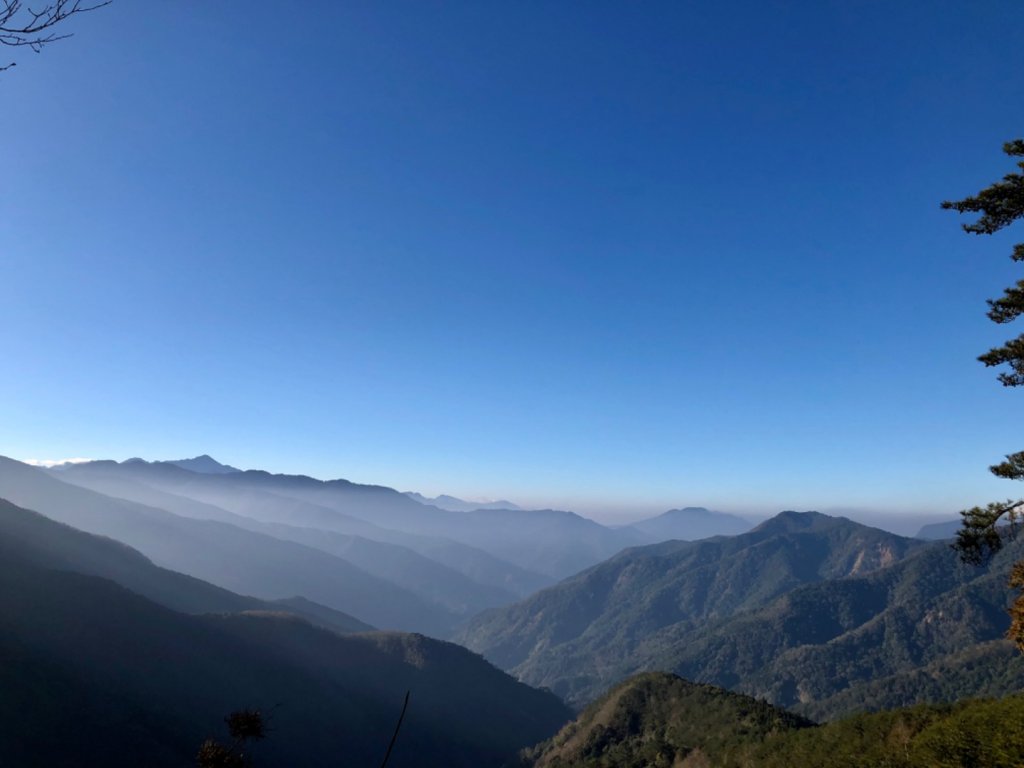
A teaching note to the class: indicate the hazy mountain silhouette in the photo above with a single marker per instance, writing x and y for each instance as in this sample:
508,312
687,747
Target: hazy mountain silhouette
453,504
691,523
395,563
226,555
492,580
547,542
204,464
30,538
936,531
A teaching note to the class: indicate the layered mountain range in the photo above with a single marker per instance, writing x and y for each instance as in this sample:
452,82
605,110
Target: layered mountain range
107,661
141,601
368,551
816,613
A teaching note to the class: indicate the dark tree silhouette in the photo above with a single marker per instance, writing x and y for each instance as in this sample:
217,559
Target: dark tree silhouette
246,726
23,26
1000,205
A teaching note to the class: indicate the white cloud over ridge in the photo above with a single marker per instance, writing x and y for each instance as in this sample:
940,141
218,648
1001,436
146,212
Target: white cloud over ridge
54,462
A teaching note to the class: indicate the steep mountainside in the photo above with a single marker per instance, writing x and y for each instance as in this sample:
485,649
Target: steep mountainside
96,675
834,647
595,628
889,613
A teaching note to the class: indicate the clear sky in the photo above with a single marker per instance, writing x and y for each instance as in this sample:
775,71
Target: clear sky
612,257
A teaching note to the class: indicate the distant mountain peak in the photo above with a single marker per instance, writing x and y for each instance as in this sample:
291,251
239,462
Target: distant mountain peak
690,512
790,520
690,523
204,464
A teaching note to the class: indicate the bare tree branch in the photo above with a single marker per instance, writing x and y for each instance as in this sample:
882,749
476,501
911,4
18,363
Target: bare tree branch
22,26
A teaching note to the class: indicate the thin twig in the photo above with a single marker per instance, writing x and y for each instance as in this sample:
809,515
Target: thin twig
394,738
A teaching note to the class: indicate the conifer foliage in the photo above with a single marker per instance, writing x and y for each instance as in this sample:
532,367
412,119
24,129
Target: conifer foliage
1000,205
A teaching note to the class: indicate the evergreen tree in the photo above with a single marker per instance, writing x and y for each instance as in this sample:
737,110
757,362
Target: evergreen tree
1000,205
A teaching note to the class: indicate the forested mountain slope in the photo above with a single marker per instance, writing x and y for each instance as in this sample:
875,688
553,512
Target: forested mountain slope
622,615
96,675
910,625
658,719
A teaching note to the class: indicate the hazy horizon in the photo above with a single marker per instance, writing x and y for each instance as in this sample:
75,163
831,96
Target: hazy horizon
905,521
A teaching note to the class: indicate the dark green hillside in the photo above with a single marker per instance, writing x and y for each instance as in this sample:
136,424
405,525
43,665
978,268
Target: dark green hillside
987,669
95,675
623,615
824,648
838,646
983,733
658,719
661,720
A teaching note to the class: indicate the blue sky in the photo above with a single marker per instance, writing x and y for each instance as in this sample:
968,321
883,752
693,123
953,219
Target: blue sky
603,256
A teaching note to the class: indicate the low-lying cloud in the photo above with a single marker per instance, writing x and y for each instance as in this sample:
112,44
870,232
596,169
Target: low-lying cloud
54,462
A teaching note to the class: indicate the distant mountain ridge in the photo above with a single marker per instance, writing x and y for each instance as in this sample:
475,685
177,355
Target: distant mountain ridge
453,504
234,558
305,505
393,562
540,545
204,464
937,531
548,543
551,543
